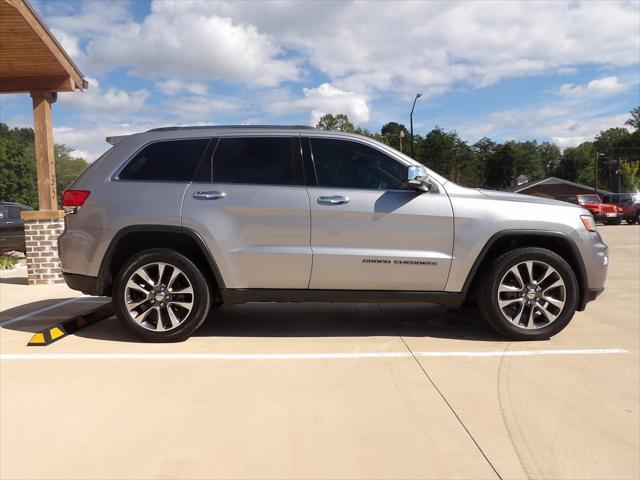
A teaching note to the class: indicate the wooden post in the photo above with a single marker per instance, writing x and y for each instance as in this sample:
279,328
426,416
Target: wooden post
45,155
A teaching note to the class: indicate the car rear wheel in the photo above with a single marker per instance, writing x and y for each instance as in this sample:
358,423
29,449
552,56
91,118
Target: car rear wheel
161,296
528,294
634,220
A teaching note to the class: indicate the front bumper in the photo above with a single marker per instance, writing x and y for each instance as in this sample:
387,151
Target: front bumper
606,216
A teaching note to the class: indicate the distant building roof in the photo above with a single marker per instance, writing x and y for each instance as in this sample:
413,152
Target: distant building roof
551,181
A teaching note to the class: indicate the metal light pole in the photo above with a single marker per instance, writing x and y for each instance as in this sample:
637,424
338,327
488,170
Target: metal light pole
598,154
411,120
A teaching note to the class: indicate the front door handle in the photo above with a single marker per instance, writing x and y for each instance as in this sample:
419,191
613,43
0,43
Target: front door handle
215,195
333,200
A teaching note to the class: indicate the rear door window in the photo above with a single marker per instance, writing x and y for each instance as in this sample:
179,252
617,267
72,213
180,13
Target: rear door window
168,161
258,160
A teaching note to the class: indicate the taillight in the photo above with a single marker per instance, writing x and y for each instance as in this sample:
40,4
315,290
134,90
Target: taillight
72,200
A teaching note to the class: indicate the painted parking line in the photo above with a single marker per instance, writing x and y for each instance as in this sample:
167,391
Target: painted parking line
297,356
50,307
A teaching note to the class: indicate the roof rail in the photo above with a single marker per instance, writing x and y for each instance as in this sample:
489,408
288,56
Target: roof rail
208,127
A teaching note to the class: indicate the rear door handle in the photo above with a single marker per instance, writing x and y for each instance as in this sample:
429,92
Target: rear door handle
215,195
333,200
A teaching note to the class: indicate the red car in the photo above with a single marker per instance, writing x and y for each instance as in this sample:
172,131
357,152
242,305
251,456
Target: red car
605,212
628,203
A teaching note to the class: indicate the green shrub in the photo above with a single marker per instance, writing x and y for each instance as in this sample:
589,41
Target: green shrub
7,262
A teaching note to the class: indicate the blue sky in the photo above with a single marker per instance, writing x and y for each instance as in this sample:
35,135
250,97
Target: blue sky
557,71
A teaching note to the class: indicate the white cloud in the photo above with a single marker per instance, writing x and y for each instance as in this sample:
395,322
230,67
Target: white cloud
182,43
89,141
110,101
201,109
564,126
402,46
599,87
573,131
328,99
69,42
174,86
324,99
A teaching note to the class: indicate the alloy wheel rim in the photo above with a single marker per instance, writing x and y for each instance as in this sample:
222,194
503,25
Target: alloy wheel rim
159,296
531,294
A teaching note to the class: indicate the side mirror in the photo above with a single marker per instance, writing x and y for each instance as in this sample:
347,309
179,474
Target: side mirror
417,179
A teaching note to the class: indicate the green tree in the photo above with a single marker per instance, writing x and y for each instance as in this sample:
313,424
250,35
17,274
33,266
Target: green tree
630,176
392,132
68,168
528,160
18,179
577,164
616,145
338,123
448,155
484,149
550,155
500,167
634,121
17,166
366,133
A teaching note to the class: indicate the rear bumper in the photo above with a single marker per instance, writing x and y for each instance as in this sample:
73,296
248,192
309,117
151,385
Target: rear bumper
84,283
590,294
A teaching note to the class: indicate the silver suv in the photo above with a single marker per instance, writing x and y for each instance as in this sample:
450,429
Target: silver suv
175,221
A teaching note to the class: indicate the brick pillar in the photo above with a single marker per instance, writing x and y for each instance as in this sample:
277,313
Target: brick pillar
41,231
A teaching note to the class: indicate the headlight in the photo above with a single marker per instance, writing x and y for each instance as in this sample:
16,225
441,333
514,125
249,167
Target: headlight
589,222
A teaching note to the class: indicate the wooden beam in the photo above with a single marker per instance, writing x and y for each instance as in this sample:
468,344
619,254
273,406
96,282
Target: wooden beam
31,84
45,155
48,40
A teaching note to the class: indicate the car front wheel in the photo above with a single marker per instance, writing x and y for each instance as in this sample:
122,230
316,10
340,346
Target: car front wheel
528,294
161,296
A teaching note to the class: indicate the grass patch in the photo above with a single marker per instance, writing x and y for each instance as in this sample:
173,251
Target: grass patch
7,262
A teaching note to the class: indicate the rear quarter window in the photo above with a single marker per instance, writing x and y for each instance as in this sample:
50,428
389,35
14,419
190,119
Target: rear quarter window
170,161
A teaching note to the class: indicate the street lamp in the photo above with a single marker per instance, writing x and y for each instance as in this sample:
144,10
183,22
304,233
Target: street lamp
411,120
598,154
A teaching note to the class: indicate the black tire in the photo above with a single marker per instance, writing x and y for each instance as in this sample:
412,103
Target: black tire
633,220
487,292
201,297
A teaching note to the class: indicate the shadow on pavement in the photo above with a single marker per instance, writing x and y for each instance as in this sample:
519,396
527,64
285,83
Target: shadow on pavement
14,280
290,320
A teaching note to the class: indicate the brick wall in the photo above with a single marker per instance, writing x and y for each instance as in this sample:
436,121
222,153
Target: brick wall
41,239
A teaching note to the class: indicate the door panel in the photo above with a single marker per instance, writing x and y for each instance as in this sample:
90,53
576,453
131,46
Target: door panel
258,234
380,240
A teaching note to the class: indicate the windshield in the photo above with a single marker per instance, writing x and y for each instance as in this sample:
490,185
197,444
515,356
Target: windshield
589,199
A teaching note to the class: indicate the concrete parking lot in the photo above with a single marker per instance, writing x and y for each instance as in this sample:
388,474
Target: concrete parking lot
324,391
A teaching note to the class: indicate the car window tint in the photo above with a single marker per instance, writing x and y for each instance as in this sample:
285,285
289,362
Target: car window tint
14,213
257,160
173,161
3,212
346,164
